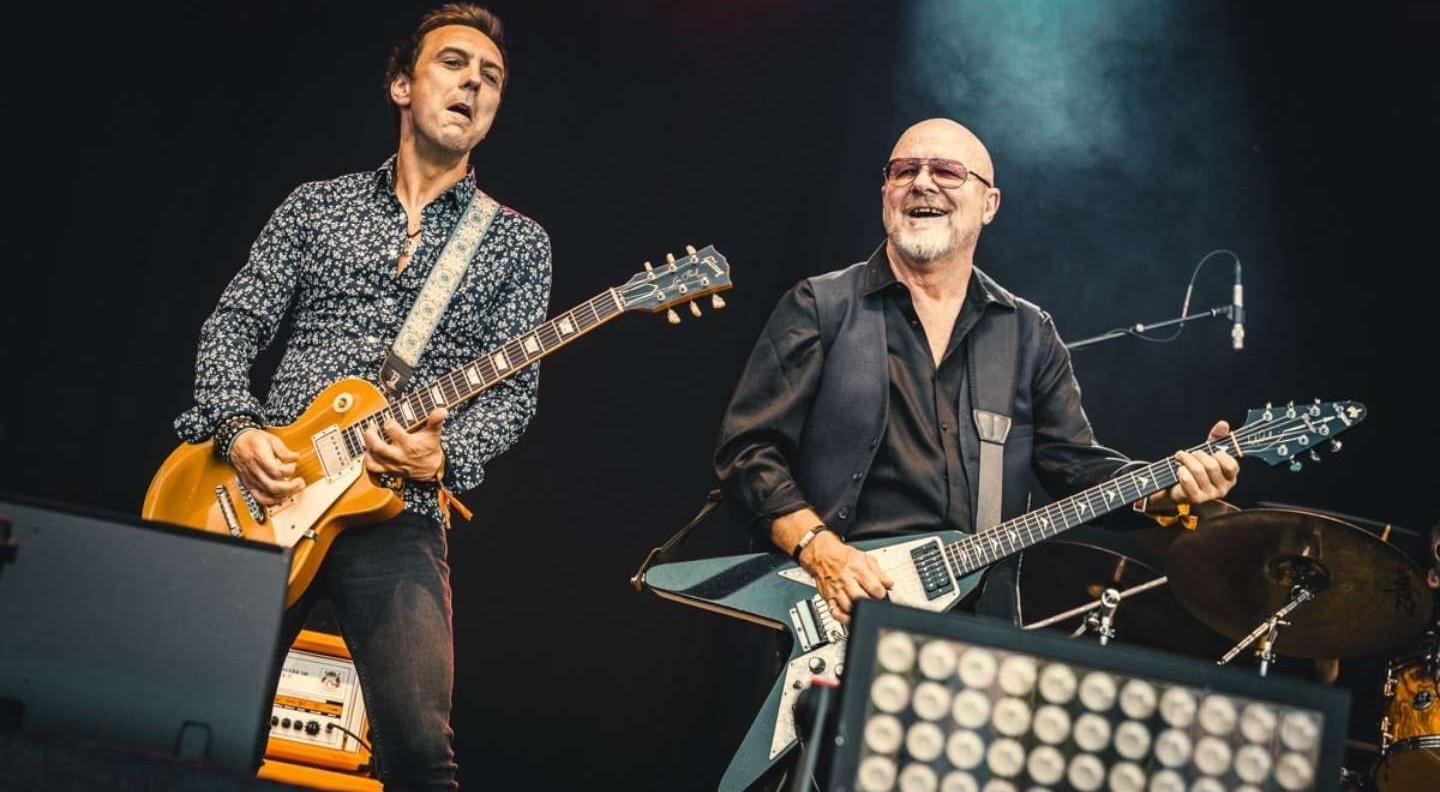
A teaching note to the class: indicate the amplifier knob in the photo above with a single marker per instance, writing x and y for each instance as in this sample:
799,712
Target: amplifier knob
312,728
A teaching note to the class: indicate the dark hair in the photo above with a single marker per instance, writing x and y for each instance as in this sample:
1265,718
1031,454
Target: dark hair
407,50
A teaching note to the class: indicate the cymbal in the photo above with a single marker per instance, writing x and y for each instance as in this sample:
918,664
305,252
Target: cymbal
1158,539
1058,575
1237,569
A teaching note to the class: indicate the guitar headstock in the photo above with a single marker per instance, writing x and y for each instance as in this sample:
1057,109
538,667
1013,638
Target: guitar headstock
678,281
1280,434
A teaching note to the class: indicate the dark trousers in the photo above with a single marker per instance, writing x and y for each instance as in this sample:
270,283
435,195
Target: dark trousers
390,586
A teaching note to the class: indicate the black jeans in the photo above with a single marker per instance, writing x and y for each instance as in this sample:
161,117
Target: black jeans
390,586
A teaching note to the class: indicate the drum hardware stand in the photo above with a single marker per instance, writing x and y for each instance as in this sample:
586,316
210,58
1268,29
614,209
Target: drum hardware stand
1102,622
1269,630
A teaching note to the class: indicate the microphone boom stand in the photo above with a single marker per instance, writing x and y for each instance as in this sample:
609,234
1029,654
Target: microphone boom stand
1228,311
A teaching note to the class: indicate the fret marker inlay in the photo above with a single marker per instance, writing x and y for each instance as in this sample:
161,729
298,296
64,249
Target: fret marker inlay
531,345
437,396
472,374
566,326
407,411
500,361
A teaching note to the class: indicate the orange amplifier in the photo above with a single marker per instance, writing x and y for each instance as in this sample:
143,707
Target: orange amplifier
317,717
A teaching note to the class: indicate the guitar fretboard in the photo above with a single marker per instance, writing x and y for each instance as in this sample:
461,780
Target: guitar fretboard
494,366
980,550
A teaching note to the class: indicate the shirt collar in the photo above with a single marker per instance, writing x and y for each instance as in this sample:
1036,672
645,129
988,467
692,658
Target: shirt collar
879,276
458,195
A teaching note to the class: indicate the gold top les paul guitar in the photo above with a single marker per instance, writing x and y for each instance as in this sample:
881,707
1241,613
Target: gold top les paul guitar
196,489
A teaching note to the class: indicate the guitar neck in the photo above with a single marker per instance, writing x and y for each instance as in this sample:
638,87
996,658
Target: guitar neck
465,382
980,550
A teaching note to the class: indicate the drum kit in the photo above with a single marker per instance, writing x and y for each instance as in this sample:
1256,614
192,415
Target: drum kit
1281,582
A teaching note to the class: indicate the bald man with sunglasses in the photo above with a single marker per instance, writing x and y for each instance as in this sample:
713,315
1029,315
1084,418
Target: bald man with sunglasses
822,452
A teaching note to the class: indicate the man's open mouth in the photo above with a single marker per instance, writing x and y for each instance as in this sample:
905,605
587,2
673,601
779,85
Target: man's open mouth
462,109
926,211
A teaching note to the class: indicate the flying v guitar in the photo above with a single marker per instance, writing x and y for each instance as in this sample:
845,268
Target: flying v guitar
934,571
196,489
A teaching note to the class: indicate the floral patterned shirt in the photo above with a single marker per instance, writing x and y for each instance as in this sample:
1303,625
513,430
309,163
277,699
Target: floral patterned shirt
328,256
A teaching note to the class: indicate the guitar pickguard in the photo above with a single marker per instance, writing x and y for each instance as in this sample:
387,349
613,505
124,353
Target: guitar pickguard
293,518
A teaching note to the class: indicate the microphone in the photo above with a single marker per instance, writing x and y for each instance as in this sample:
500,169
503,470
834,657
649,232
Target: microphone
1237,312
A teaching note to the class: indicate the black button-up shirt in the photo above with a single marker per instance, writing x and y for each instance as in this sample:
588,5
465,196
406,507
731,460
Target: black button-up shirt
917,482
327,258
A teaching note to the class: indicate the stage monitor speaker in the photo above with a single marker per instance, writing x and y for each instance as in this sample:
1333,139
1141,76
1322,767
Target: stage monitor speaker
956,703
137,634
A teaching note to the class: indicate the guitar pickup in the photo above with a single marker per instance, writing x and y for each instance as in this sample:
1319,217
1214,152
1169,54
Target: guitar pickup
934,574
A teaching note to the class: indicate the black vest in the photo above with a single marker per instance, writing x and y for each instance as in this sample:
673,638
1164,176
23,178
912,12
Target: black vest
847,421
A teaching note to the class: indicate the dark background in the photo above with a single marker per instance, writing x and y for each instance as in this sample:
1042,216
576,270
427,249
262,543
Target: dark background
146,149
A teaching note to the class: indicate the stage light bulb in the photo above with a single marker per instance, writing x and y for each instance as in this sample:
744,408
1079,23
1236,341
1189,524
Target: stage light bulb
971,709
937,659
924,741
1097,691
1177,707
917,777
1138,699
1086,773
1298,731
876,774
1257,723
1046,765
1167,781
1011,717
977,668
1092,732
896,652
890,693
1293,772
1017,675
883,734
1132,740
1212,756
1057,683
931,701
1005,757
1051,724
958,781
1217,715
964,749
1126,777
1252,764
1172,748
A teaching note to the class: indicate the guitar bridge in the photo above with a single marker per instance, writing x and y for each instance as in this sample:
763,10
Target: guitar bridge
934,574
257,512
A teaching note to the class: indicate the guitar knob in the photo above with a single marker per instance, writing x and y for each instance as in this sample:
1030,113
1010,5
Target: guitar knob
1336,445
672,317
694,309
817,665
716,302
1296,465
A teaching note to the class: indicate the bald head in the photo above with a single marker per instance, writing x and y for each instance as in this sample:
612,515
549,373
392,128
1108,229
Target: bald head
945,139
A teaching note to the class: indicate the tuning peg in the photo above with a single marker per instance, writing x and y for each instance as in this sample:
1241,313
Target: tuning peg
716,302
689,250
1295,465
671,316
649,267
670,259
694,309
1314,456
1335,446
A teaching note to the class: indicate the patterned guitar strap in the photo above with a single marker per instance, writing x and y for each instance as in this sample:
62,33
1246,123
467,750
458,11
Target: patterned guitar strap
430,305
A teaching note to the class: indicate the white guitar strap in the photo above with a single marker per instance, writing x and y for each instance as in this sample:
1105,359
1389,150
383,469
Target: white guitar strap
435,295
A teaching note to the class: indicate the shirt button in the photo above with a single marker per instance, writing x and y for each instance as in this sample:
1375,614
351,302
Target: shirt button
857,475
844,513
